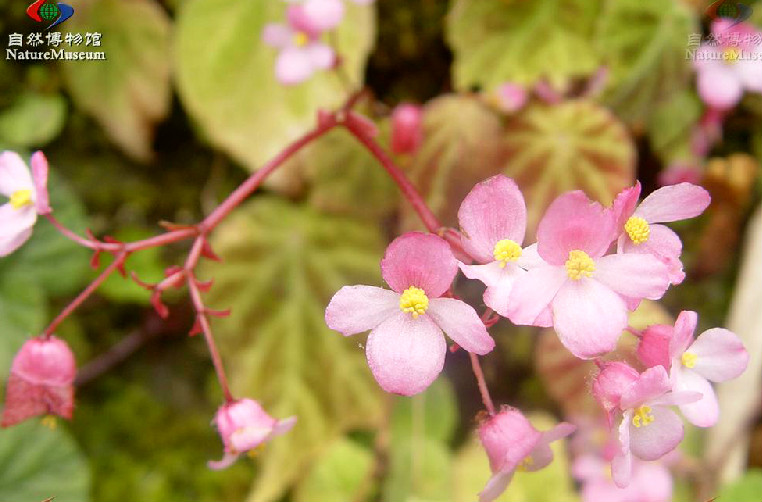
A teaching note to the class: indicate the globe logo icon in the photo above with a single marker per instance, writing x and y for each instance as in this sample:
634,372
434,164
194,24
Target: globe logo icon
49,12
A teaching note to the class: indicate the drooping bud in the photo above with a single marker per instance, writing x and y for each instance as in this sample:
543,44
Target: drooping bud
407,128
508,438
41,381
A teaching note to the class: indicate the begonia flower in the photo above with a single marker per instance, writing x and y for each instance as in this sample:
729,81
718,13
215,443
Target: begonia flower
577,289
637,224
28,196
407,128
716,355
614,378
493,219
512,443
41,381
406,348
730,67
243,426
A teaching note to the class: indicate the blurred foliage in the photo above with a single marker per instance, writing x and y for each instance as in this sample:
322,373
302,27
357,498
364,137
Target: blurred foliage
746,489
188,96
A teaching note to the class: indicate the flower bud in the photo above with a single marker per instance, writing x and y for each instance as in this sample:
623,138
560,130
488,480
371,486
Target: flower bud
653,349
613,380
407,128
508,438
510,98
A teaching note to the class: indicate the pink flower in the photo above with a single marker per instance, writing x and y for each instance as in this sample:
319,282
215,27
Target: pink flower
716,355
406,349
649,482
612,380
407,128
637,228
493,219
512,443
301,53
510,97
648,430
28,196
575,288
323,15
243,425
726,70
41,381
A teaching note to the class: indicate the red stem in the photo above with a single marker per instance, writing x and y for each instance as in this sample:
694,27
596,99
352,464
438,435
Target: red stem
483,390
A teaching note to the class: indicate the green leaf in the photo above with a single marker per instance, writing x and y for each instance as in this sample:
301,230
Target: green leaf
746,489
129,92
521,42
146,264
463,144
433,413
33,120
226,79
281,265
37,463
471,472
338,475
572,145
671,126
22,310
49,259
644,43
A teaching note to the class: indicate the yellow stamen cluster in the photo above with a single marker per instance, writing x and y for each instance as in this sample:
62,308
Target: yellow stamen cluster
414,300
506,250
301,39
638,230
579,265
731,55
21,198
525,464
50,422
643,416
689,359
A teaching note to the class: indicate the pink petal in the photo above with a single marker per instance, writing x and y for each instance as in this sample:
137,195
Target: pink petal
673,203
461,323
721,355
300,21
324,14
495,486
227,460
10,243
625,203
421,260
653,482
653,382
705,411
633,275
499,282
750,72
492,211
542,454
719,87
322,56
533,292
277,35
662,243
653,441
574,222
283,426
685,326
247,438
354,309
653,348
293,66
15,227
588,317
530,258
406,354
621,464
40,177
14,175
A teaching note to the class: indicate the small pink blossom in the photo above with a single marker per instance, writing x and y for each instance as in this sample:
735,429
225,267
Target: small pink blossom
510,97
243,426
406,349
649,482
637,225
649,429
407,128
715,356
575,288
28,196
41,381
301,51
512,443
493,219
726,70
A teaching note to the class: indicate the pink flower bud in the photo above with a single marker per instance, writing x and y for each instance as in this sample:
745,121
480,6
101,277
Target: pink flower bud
508,438
41,381
243,425
613,380
510,97
407,128
653,349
